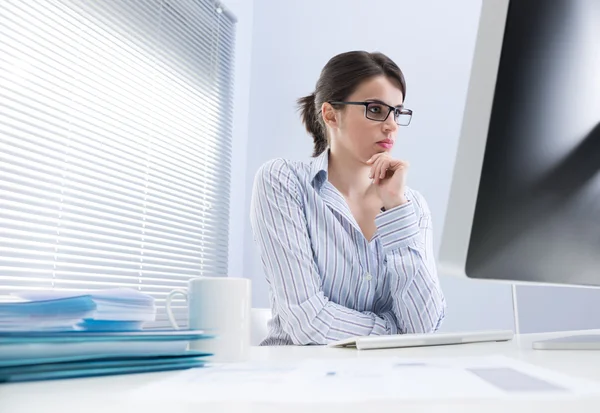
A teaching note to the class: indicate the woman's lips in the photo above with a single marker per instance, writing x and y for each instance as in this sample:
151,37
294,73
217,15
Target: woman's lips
386,144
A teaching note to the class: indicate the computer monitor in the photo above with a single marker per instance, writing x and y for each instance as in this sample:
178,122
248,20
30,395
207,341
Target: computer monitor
524,204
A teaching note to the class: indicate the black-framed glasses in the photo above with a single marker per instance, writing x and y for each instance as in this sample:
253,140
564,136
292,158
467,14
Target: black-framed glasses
379,111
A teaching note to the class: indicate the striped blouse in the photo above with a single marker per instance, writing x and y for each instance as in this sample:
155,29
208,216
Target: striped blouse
326,281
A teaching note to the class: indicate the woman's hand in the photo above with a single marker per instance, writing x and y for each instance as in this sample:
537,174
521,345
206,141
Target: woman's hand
389,178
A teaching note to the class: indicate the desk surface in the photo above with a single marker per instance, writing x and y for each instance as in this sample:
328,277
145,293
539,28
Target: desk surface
107,394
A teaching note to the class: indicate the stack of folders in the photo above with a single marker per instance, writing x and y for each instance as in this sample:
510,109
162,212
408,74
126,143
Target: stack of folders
53,334
113,310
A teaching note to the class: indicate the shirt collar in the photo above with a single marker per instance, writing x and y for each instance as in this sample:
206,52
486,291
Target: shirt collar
318,169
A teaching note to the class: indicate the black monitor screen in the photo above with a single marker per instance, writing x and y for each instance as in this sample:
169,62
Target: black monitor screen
537,216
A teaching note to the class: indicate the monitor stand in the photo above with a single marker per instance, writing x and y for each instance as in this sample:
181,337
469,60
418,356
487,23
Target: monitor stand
572,342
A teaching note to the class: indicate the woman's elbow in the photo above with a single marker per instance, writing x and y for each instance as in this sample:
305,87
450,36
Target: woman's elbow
306,335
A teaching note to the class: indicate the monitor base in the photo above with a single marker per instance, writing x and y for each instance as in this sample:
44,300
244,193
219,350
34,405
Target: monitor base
572,342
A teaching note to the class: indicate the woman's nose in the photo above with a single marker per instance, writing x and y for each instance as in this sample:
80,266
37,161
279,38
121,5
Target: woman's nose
390,124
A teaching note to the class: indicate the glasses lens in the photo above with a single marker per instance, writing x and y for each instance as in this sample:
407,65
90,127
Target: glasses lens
403,118
377,111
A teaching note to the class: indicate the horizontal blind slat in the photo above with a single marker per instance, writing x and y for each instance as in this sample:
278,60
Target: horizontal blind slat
115,142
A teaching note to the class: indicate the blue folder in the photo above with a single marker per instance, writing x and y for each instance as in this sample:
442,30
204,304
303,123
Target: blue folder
41,345
102,357
98,365
92,368
24,337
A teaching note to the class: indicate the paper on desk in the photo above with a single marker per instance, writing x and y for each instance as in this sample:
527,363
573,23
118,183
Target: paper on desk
352,380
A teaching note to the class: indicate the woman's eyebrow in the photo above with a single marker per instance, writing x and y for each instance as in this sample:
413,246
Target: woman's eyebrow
381,101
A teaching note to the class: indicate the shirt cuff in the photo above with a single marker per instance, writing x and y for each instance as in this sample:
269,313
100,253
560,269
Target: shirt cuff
391,322
397,227
384,324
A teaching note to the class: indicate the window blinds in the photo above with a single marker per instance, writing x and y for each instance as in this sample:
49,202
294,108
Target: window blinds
115,141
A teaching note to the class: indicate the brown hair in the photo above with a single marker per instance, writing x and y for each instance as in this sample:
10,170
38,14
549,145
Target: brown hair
340,77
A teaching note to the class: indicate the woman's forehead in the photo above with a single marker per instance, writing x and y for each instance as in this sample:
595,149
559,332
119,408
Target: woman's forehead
379,88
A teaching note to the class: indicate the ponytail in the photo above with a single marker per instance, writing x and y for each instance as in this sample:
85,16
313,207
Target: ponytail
310,119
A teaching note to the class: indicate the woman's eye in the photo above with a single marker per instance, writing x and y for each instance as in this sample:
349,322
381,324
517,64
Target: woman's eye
375,108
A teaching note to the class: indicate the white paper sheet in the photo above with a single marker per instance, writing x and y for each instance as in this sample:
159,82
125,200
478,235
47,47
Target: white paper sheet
349,380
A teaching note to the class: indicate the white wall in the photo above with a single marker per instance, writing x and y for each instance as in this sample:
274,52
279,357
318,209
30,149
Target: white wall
432,42
278,59
243,10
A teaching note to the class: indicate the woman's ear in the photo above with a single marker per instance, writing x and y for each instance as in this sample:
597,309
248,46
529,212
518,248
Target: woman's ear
329,114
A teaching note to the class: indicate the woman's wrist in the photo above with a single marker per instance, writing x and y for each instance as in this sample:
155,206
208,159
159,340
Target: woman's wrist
394,203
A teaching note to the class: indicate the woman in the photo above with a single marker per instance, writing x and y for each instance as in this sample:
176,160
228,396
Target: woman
346,246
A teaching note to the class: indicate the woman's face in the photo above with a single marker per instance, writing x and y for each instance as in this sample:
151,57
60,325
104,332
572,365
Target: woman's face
353,133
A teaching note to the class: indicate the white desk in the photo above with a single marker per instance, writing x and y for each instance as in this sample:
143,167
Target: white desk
107,394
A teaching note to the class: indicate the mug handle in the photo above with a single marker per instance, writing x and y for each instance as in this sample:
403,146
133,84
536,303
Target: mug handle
168,306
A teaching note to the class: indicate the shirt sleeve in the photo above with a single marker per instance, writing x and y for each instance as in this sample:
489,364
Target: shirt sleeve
280,231
406,238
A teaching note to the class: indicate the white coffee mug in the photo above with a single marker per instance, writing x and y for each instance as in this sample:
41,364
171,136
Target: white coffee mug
221,307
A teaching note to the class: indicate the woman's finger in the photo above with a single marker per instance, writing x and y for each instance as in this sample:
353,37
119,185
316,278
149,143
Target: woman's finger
397,164
372,171
381,167
384,167
375,171
373,158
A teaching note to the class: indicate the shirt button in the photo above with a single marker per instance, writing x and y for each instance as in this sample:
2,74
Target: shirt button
368,277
